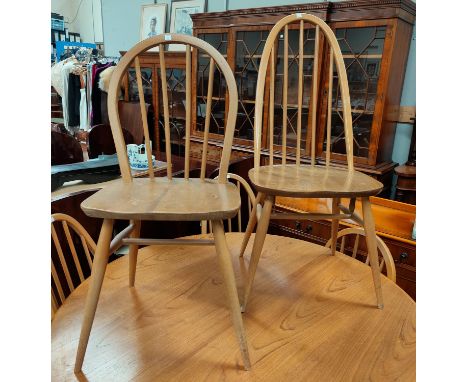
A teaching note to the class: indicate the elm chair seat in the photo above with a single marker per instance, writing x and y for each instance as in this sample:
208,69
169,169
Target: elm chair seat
317,182
164,199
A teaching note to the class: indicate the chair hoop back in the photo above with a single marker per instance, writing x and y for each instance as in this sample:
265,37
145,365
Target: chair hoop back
382,250
216,59
62,267
268,60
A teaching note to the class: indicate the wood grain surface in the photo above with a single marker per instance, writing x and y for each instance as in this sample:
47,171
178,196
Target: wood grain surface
311,317
318,182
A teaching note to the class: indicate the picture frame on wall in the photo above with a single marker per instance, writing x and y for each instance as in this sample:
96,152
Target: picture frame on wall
152,21
181,22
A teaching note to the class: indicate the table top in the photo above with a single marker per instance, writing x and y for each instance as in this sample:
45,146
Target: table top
311,317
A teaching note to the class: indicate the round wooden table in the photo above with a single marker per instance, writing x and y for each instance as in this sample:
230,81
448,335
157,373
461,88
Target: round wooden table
311,317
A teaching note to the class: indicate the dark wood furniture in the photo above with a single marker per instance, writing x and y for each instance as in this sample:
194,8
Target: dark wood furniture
393,224
65,149
100,140
374,37
406,174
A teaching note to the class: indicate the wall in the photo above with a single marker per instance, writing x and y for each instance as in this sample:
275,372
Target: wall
121,23
83,17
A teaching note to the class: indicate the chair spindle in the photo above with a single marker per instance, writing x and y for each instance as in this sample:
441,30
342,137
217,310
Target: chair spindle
167,131
272,102
85,246
63,263
356,245
239,214
314,93
73,250
329,108
285,91
207,118
144,117
343,241
299,92
57,283
188,107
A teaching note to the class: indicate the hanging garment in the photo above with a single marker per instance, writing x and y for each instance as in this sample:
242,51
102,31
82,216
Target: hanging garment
56,75
66,69
74,99
96,95
83,111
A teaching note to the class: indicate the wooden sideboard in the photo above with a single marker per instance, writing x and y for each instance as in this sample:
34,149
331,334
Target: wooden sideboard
394,224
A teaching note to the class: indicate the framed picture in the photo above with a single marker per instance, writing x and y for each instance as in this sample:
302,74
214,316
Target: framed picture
152,21
181,22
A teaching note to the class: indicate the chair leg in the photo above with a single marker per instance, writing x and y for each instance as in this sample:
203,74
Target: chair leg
133,254
97,276
369,228
229,280
257,246
334,225
252,221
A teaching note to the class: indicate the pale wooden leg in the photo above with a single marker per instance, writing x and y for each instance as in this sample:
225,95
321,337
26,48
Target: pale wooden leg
371,241
229,280
335,224
257,246
133,254
97,276
251,224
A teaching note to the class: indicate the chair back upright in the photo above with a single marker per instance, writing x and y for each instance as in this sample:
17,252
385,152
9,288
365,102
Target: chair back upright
68,266
217,62
274,56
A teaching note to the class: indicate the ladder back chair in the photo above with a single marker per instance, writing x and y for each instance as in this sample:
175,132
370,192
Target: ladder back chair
166,198
66,276
385,256
295,179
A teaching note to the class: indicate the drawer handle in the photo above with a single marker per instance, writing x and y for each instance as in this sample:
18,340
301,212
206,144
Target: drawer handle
309,228
403,257
298,225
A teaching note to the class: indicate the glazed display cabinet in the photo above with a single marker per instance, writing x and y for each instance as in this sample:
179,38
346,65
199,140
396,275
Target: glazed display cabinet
374,37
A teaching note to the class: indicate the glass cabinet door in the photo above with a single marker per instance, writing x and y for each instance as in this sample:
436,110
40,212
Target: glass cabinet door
218,103
362,50
147,80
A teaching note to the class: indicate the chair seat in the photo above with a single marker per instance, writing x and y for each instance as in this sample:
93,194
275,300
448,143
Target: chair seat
164,199
311,182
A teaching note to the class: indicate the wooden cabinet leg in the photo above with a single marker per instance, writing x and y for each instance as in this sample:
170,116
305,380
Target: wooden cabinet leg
257,246
334,225
369,228
229,280
97,276
252,221
133,254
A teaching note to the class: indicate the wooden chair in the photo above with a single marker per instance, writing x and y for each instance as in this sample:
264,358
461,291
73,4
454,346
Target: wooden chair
243,188
299,180
165,198
385,256
100,140
65,276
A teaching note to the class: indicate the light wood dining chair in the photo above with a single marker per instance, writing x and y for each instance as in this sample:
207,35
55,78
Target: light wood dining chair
242,187
66,276
295,179
385,256
166,198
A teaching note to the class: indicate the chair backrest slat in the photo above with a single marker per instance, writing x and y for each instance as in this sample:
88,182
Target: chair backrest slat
343,243
144,117
314,94
69,224
239,214
217,62
63,262
73,250
285,92
207,118
329,108
324,34
167,131
299,93
272,102
188,108
356,246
